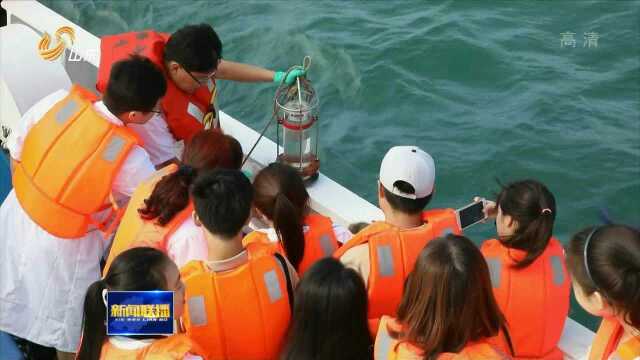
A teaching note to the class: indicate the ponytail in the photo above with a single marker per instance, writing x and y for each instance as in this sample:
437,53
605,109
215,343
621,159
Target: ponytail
534,239
533,207
169,196
94,332
136,269
281,196
207,150
288,226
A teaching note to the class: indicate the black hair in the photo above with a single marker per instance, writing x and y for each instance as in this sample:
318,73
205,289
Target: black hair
222,200
330,315
533,206
135,84
195,48
281,196
613,258
405,205
357,227
136,269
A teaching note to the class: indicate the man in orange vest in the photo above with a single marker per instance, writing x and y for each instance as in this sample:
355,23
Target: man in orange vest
191,60
74,159
384,252
238,303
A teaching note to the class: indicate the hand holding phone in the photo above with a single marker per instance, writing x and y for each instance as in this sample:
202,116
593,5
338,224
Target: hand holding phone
472,213
490,207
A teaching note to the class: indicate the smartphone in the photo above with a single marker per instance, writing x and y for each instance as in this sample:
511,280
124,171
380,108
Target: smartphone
471,214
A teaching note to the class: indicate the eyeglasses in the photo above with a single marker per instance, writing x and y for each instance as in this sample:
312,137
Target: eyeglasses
156,111
201,80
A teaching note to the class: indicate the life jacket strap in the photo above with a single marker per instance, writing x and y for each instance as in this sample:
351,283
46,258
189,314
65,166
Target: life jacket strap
108,226
210,121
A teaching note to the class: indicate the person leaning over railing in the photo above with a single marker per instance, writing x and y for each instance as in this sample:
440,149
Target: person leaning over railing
191,60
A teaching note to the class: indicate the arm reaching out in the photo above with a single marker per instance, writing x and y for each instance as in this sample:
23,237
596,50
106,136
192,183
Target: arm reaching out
230,70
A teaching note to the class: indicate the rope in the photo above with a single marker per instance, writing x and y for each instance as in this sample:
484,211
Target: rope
306,63
209,118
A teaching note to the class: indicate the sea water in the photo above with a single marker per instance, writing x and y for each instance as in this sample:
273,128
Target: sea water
493,90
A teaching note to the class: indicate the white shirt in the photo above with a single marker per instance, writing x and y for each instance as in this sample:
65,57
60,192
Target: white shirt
187,243
157,140
241,259
43,278
342,233
126,343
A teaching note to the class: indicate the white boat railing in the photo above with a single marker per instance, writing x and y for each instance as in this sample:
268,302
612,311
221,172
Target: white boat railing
81,60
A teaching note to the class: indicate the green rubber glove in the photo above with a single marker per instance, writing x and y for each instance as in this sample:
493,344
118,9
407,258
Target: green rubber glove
293,75
248,173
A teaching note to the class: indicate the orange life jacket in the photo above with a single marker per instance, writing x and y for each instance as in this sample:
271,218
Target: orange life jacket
134,231
169,348
69,161
393,253
183,112
607,339
534,300
319,241
241,313
388,348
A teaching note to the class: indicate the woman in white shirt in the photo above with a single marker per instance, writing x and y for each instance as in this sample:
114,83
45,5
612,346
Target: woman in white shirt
160,212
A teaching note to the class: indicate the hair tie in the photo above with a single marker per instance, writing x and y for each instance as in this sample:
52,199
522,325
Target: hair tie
586,251
186,170
546,211
104,296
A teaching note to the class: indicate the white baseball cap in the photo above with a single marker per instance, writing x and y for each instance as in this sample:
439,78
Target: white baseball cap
409,164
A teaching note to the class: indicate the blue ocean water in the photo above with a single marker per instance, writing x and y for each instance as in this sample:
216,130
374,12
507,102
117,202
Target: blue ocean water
493,90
